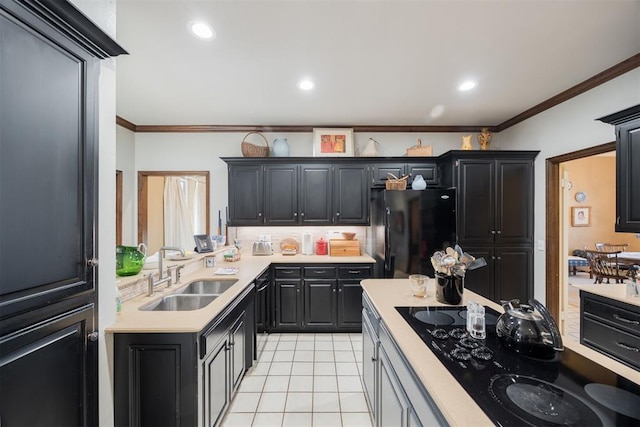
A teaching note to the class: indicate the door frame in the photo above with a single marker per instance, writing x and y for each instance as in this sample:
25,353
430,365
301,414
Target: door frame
553,223
143,177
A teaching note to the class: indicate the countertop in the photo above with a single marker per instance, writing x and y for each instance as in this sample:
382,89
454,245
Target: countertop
132,320
456,405
615,291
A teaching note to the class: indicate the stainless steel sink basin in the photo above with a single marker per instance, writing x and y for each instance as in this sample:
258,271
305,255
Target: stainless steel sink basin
180,302
207,287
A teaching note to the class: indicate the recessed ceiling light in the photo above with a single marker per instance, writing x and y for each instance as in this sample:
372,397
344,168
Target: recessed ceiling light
467,85
202,30
306,84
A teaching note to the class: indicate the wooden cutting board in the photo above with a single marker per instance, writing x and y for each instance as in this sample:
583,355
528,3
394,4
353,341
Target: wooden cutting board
342,247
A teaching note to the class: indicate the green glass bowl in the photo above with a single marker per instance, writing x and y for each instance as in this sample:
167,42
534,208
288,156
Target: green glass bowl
129,260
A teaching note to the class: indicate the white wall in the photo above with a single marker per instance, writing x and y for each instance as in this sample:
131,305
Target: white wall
103,13
568,127
125,161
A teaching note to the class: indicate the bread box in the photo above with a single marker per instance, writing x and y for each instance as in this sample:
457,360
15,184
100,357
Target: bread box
342,247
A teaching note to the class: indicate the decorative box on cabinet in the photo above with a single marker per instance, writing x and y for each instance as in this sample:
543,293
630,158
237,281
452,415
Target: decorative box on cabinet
627,131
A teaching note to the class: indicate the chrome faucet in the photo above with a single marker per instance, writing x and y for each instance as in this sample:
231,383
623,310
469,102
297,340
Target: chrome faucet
161,279
161,253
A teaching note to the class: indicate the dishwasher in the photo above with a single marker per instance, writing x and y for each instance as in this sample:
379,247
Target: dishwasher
263,311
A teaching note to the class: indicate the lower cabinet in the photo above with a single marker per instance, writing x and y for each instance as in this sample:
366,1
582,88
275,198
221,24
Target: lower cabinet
394,395
318,297
610,327
184,379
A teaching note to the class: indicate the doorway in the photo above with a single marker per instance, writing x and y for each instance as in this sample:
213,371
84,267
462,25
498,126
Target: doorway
554,268
147,215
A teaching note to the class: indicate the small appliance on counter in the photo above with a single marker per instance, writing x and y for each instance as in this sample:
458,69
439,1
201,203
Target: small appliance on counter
307,243
263,246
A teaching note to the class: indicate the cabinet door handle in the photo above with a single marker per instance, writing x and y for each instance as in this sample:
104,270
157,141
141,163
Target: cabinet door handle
622,319
334,291
337,213
93,336
626,347
499,258
499,232
493,231
295,214
259,213
301,213
340,290
373,359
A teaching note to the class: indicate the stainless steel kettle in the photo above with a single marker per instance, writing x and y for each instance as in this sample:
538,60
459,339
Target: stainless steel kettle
529,329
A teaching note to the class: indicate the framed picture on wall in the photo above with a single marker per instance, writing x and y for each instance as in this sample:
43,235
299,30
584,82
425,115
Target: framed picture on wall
580,216
333,142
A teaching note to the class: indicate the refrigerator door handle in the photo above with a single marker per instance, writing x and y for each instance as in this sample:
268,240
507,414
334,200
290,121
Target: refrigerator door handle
387,239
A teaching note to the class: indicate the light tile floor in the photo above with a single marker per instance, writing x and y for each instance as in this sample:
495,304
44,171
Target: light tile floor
573,312
303,380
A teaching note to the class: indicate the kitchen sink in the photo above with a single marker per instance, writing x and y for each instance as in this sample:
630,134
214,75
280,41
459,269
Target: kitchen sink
207,287
180,302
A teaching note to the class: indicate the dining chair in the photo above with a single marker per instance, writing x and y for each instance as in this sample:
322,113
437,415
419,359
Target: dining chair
604,265
611,247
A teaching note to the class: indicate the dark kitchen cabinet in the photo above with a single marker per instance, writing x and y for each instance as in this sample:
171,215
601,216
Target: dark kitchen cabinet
351,194
610,327
428,170
315,195
505,277
495,192
50,57
318,297
184,379
246,194
288,304
281,194
263,301
627,123
298,191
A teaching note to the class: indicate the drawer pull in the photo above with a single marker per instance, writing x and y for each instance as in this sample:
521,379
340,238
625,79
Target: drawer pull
354,271
319,272
287,271
622,319
626,347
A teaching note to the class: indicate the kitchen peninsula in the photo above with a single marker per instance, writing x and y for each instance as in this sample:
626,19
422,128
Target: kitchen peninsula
204,353
422,380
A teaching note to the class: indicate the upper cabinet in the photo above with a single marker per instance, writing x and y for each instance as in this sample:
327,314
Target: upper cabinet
297,192
627,123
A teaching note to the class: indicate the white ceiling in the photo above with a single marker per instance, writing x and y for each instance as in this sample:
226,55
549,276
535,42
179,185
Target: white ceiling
374,62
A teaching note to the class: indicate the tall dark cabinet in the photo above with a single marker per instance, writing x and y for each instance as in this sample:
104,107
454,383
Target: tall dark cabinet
495,191
49,67
627,124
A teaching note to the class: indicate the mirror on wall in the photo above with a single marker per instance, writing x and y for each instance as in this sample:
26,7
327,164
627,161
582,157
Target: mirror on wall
172,207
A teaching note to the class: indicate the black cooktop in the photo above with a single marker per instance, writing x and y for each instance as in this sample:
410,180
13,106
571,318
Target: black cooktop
516,390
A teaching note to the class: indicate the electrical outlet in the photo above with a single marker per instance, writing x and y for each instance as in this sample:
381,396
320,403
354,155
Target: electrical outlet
637,235
541,245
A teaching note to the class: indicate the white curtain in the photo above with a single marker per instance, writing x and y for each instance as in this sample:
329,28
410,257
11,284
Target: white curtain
178,226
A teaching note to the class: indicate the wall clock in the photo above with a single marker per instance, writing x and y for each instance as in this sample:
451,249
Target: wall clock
580,197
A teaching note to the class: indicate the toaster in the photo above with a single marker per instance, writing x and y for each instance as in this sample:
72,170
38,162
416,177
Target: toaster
262,248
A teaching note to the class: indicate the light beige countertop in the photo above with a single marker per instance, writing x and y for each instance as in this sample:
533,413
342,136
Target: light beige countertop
615,291
456,405
133,320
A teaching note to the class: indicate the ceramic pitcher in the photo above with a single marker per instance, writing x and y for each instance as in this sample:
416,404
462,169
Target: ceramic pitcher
280,147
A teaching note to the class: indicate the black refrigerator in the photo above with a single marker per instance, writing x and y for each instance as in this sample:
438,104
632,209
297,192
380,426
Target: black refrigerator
408,227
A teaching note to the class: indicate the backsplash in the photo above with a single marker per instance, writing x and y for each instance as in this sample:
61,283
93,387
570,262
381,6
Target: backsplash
248,235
